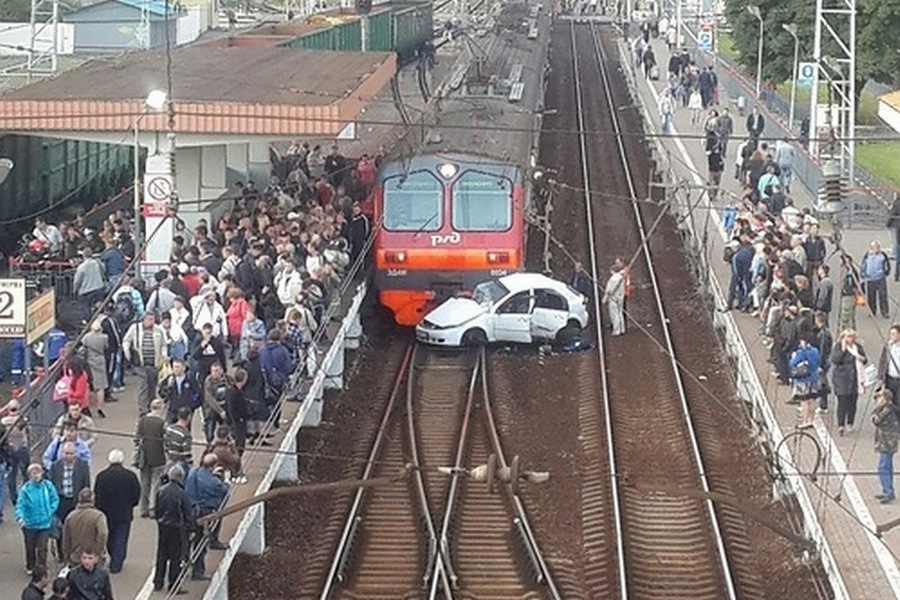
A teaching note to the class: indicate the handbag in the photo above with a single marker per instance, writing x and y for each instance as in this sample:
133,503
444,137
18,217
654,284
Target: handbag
56,524
800,371
870,373
61,388
164,370
56,528
860,299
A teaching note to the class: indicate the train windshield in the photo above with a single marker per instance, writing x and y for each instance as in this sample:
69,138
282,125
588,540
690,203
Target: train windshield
489,292
413,202
482,202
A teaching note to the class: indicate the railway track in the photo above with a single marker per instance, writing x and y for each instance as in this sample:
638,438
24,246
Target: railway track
668,545
439,535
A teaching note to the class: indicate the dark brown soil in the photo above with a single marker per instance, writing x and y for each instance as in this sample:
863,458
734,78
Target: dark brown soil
295,527
538,420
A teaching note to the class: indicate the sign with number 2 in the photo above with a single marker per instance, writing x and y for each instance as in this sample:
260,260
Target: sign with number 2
12,308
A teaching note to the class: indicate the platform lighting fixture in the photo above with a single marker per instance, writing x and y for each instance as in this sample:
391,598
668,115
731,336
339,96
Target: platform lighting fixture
156,100
754,10
792,30
6,165
447,170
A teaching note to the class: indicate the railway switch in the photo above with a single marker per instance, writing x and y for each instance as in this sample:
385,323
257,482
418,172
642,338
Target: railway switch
493,473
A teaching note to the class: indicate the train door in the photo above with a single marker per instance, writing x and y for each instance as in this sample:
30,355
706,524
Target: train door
550,314
512,319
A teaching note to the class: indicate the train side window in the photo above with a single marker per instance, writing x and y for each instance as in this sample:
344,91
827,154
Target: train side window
550,300
482,202
413,202
517,305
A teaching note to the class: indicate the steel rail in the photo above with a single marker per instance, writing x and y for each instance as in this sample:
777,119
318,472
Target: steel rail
435,567
452,492
600,56
543,571
354,517
604,382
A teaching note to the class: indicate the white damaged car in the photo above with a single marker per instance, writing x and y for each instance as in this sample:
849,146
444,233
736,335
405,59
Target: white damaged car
522,307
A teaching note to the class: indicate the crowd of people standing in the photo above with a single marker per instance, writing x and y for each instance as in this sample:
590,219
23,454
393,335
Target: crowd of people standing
217,335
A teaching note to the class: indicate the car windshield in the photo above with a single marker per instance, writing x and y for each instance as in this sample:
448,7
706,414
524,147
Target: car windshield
413,202
482,202
489,292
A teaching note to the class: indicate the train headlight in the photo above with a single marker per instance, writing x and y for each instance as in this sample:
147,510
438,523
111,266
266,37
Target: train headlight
395,257
447,170
497,257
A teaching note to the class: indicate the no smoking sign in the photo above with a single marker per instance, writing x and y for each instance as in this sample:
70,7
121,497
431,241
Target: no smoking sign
158,189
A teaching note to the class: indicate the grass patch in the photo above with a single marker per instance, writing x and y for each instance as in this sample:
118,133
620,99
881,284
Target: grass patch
866,111
726,46
881,159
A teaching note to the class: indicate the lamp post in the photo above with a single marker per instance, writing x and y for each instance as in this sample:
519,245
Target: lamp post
156,101
754,10
792,29
6,165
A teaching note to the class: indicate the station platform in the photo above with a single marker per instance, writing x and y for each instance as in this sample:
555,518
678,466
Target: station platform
117,431
846,481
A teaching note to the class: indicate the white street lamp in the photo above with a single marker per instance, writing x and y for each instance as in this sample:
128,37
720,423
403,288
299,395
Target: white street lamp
792,29
156,101
754,10
6,165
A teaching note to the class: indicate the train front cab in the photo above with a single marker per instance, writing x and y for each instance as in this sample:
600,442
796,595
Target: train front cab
445,227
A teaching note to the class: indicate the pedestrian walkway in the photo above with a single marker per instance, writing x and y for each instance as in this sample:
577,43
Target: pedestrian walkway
844,489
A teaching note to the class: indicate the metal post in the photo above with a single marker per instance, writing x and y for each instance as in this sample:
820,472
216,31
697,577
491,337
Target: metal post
814,92
850,129
678,25
759,54
137,197
792,30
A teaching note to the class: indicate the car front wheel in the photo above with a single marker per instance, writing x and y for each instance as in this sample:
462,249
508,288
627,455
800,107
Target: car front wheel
474,337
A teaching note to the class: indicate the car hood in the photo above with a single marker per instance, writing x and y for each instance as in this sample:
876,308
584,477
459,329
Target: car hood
455,311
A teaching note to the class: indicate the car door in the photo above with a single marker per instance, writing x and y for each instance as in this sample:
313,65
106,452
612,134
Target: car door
550,314
512,318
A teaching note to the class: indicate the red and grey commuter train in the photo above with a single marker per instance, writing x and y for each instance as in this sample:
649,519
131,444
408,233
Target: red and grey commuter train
446,223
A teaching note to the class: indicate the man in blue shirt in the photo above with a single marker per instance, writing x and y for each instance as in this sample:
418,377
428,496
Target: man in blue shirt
113,260
874,270
55,451
206,491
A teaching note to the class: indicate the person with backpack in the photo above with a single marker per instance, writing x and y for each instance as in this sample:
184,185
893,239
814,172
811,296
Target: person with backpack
128,305
804,368
277,366
874,270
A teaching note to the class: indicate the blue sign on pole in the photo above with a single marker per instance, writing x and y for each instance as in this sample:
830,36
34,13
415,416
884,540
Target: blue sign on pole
806,74
705,40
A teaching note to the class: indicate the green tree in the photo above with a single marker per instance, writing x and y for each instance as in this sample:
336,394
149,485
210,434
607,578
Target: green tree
877,41
15,10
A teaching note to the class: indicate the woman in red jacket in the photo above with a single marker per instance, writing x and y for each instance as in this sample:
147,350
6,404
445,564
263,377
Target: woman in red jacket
79,389
235,315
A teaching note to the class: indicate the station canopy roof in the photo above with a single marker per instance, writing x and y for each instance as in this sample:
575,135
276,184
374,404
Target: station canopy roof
238,90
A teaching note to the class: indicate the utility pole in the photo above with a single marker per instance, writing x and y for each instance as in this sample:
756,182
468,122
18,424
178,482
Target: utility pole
835,27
